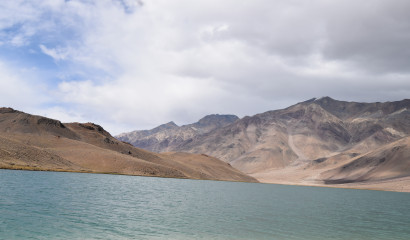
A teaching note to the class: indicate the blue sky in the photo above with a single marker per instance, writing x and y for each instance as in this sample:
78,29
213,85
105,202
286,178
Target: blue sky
129,64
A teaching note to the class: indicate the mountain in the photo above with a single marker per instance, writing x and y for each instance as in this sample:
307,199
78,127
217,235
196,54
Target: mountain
38,143
387,162
319,141
168,136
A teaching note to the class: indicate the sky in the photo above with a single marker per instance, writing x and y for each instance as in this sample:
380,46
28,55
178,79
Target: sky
135,64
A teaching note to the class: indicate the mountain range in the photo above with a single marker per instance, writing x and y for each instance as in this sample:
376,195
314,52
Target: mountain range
169,136
31,142
319,141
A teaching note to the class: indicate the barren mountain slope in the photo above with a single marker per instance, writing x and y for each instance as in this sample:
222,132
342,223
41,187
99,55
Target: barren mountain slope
39,143
389,161
300,133
299,143
167,136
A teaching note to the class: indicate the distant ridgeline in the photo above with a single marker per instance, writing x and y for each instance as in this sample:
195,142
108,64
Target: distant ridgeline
325,140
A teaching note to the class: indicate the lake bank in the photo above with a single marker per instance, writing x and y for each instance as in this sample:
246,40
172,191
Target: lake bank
393,185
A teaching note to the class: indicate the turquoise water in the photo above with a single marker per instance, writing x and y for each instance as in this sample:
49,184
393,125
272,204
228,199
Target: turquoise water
50,205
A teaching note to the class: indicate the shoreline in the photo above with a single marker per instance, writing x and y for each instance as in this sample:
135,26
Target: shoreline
110,173
387,185
355,186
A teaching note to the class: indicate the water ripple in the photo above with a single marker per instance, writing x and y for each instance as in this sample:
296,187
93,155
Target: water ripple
47,205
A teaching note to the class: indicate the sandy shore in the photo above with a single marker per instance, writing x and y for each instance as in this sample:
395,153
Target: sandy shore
296,176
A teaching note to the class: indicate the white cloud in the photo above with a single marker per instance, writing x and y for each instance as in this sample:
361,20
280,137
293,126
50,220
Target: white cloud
56,53
136,65
18,88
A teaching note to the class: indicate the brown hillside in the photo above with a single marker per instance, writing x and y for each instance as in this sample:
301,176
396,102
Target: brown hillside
38,143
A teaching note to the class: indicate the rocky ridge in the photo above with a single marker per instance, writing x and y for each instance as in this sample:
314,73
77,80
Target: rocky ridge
318,141
167,137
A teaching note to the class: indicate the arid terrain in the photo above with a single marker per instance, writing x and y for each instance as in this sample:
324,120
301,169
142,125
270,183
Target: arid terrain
322,142
32,142
169,136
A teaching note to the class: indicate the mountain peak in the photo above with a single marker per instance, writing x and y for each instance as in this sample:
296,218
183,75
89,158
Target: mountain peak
310,100
171,124
215,118
166,126
170,135
320,101
325,99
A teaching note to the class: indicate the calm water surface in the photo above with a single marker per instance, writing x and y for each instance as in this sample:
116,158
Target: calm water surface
49,205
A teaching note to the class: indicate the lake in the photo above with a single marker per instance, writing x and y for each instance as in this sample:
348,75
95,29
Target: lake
55,205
